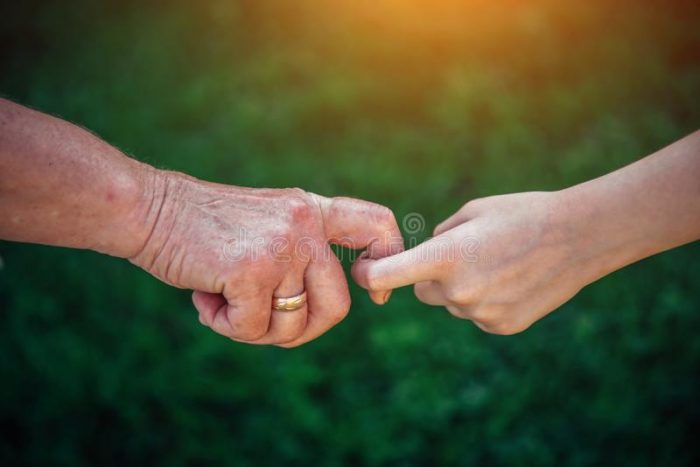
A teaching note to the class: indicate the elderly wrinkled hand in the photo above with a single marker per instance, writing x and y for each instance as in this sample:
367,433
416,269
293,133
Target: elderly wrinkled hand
238,248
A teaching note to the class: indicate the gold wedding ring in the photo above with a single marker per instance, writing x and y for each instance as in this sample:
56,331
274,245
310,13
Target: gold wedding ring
289,303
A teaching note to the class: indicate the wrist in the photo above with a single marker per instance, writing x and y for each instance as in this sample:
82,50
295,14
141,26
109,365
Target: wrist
602,235
155,209
144,196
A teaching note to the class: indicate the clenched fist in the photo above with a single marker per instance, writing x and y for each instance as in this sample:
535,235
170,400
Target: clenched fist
240,247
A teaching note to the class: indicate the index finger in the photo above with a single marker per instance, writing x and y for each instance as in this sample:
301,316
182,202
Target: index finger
422,263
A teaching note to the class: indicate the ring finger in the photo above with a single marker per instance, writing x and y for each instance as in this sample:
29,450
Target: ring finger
285,326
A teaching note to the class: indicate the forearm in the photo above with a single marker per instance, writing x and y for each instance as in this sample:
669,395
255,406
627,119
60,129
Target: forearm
645,208
61,185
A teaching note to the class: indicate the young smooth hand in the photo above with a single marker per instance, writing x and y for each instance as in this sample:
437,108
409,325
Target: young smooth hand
502,262
506,261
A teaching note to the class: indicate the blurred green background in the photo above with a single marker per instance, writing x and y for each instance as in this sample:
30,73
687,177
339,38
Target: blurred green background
419,105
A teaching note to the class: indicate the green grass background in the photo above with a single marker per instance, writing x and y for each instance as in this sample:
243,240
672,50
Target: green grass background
414,104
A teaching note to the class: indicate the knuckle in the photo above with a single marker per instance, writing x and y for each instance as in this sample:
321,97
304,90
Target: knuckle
455,293
458,311
247,331
337,313
372,279
487,314
475,292
299,206
473,206
342,311
421,291
439,229
253,334
385,216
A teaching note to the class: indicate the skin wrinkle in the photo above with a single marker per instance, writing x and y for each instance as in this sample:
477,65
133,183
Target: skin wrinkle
615,220
176,227
162,201
153,197
180,259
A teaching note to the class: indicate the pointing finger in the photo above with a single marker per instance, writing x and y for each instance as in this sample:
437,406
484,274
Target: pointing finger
426,262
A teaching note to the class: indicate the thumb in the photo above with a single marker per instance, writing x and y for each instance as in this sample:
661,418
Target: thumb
357,224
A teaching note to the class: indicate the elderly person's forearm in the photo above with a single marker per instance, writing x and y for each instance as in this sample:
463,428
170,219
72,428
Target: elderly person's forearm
61,185
243,251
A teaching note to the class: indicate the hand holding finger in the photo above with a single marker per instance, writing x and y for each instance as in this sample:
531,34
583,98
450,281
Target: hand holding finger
358,224
422,263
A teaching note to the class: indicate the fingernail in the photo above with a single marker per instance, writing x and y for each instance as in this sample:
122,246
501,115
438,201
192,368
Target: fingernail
386,297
